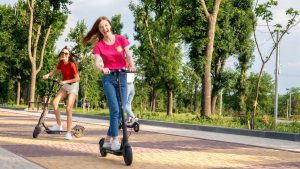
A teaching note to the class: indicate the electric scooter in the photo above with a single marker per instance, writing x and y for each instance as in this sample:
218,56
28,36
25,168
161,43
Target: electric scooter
77,131
135,126
125,149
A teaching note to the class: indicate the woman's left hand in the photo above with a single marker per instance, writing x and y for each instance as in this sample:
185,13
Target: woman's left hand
62,82
131,69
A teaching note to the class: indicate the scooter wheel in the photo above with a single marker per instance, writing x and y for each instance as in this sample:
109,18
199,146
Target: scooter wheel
136,128
127,154
102,150
37,130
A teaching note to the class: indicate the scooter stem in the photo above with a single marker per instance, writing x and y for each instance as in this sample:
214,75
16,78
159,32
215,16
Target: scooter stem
125,136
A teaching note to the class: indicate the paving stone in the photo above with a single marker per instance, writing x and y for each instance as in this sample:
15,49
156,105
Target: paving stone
151,150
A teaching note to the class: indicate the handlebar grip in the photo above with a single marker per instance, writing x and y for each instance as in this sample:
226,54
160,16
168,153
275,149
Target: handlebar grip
122,70
54,80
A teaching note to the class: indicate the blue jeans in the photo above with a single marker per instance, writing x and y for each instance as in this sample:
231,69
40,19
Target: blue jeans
111,92
130,95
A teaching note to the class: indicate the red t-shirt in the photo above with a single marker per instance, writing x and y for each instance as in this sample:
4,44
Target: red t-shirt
113,56
68,70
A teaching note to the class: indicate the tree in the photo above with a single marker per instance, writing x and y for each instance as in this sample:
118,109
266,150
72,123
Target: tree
199,30
266,93
116,24
289,104
42,16
158,36
212,20
242,21
13,51
192,24
263,11
228,35
187,96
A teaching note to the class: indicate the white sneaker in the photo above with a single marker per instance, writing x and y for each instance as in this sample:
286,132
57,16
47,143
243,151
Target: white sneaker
68,136
115,145
56,128
107,142
128,121
131,120
106,145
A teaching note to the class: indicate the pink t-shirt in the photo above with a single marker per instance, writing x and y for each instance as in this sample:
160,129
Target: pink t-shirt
113,56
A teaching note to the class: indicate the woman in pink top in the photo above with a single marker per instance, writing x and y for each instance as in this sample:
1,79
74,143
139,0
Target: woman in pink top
113,50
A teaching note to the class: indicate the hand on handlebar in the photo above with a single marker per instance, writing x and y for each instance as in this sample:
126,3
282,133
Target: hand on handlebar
131,69
49,78
62,82
45,77
106,71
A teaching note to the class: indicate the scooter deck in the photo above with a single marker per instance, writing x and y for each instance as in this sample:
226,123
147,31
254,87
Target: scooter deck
55,131
132,125
115,152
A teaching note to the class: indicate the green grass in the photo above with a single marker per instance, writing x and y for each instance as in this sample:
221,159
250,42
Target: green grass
288,128
101,112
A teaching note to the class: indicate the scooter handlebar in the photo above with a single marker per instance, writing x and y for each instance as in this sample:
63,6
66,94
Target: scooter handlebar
54,80
122,70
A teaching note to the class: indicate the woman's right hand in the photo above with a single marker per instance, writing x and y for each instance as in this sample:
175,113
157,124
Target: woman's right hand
106,71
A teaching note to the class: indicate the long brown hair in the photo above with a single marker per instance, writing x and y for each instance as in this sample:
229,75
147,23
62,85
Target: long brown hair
91,35
72,57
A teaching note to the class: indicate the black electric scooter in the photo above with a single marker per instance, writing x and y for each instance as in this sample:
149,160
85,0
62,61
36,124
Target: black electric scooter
135,126
77,131
125,149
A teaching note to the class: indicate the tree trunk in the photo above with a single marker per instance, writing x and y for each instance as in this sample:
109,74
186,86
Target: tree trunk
18,91
170,103
207,74
202,97
214,97
256,97
153,100
211,19
32,53
32,86
242,91
196,102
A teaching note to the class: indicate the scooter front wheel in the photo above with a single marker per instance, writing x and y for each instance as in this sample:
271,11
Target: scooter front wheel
37,130
102,150
127,154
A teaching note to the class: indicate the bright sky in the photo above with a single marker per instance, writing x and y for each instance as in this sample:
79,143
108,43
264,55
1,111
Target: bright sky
90,10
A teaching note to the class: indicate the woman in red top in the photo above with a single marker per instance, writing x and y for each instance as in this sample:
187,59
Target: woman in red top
70,88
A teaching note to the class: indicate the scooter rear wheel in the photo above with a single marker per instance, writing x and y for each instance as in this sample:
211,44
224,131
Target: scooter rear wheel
102,150
37,130
136,128
127,154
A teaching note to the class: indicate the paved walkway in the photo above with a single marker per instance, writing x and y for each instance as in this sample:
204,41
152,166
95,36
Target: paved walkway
153,147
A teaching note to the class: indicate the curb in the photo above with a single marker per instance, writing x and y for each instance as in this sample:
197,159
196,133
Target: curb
235,131
245,132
